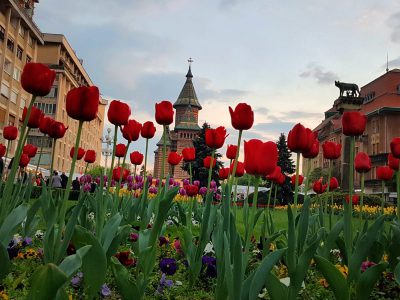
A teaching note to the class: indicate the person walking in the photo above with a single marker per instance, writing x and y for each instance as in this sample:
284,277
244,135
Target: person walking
64,180
56,180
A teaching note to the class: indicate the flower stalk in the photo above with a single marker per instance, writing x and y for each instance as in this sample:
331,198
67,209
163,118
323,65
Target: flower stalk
113,157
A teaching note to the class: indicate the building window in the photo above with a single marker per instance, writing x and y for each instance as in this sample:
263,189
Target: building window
30,41
21,31
369,97
28,59
2,33
375,125
10,45
7,66
19,52
398,89
14,96
52,93
11,120
5,89
22,103
14,22
17,74
47,108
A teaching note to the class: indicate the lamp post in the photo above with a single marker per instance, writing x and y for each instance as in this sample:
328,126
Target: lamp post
107,151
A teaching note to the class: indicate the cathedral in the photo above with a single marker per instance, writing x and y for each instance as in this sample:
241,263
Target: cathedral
186,129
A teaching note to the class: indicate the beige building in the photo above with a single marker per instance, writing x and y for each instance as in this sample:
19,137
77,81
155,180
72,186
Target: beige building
58,54
19,42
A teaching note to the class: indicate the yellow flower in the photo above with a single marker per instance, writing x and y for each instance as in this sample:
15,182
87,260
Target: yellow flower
70,297
323,282
20,255
282,271
272,247
343,269
385,257
30,253
3,295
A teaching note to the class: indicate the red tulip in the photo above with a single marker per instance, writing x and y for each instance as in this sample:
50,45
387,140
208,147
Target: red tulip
82,103
300,139
293,180
131,130
318,187
123,257
207,162
333,184
395,147
148,130
274,176
260,158
393,162
331,150
45,124
118,113
164,113
118,172
231,151
362,162
242,118
90,156
353,123
2,150
191,190
37,79
34,118
215,138
57,130
384,173
281,180
223,173
189,154
29,150
355,199
120,150
10,132
239,169
136,158
174,158
313,151
24,160
81,153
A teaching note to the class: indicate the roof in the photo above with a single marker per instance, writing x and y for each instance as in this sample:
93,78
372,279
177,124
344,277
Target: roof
187,96
168,138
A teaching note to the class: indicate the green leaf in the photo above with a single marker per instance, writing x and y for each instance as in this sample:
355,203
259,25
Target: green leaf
11,222
291,252
94,264
126,287
337,282
303,225
397,273
330,241
276,289
368,279
110,230
72,263
45,282
4,262
121,236
31,218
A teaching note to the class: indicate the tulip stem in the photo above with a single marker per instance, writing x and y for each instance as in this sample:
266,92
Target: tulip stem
235,180
87,165
327,190
210,172
40,157
296,186
113,158
348,207
53,149
5,158
276,190
235,163
398,192
362,199
190,172
383,198
163,157
145,166
122,171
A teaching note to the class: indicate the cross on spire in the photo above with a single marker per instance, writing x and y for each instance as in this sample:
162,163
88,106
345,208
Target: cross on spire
190,60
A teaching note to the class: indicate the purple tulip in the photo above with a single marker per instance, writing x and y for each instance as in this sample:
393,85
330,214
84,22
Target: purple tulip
196,182
218,197
213,184
153,190
203,190
97,180
138,178
87,187
129,178
186,182
182,192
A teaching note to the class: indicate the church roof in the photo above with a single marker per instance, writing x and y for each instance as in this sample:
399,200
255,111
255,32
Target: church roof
188,96
167,140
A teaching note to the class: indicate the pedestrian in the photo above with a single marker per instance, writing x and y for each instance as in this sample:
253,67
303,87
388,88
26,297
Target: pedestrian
75,184
56,180
64,180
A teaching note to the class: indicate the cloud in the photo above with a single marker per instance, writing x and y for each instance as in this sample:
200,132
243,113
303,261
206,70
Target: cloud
394,22
317,72
275,127
296,114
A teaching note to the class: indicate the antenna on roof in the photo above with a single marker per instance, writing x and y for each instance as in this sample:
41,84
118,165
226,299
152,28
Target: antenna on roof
387,62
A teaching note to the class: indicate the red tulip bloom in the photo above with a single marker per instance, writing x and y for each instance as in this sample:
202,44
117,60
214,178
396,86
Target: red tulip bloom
24,160
82,103
215,138
242,118
393,162
136,158
123,257
120,150
260,158
118,172
164,113
29,150
331,150
90,156
207,162
118,113
81,153
45,124
37,79
293,180
384,173
355,199
174,158
395,147
281,180
239,169
333,184
10,132
189,154
300,139
191,190
313,151
353,123
148,130
318,187
57,130
34,118
2,150
231,151
274,176
131,130
223,173
362,162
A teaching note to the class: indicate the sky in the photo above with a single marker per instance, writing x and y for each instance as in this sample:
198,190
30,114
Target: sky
281,57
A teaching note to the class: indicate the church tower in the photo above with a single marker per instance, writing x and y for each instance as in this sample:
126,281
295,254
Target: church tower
186,129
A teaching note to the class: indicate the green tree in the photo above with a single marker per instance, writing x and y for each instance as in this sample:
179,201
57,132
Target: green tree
202,150
286,163
96,171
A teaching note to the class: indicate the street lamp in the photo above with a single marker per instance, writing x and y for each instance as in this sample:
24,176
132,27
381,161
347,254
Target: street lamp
107,151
